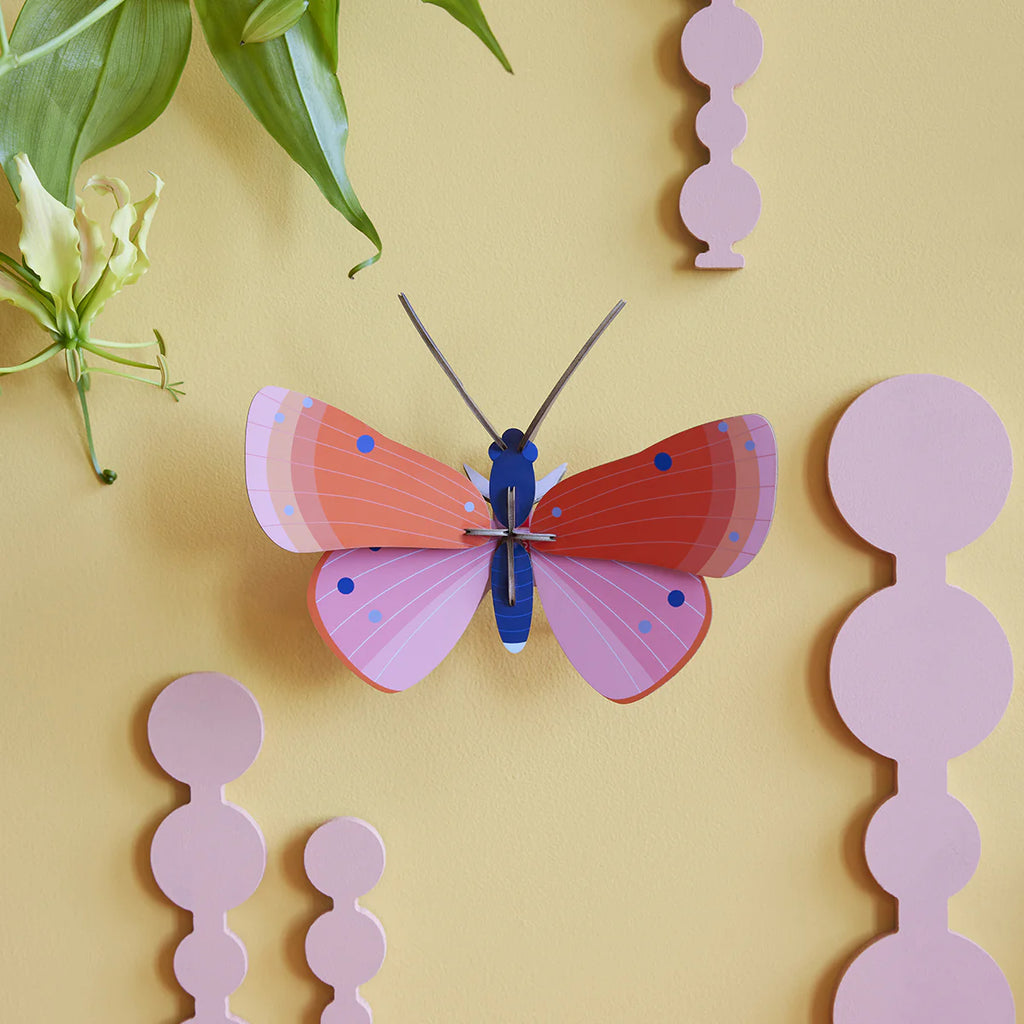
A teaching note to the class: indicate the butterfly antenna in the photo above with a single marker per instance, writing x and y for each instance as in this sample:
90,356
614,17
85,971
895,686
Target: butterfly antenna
449,372
534,426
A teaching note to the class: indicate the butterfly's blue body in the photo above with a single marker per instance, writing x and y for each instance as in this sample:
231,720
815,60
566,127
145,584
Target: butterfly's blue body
512,468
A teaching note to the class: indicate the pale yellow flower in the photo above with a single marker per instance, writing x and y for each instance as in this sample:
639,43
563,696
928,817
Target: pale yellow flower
69,272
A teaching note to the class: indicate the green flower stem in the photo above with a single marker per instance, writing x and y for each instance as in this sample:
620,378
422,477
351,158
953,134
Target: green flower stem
5,43
107,476
97,351
159,385
39,357
121,344
9,61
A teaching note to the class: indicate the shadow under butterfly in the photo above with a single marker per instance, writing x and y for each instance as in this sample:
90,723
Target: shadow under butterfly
617,553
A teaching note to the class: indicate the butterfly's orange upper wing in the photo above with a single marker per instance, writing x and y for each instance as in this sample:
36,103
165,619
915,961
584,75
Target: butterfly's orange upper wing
321,480
700,501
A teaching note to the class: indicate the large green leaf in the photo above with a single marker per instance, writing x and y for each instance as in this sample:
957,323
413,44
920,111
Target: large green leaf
290,84
102,87
469,13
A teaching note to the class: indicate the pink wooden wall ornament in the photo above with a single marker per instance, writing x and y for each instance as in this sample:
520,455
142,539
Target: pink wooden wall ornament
921,672
208,855
345,947
720,203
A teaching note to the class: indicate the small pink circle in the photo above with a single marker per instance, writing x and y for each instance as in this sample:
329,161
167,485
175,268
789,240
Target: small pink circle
922,846
210,965
722,45
344,858
205,728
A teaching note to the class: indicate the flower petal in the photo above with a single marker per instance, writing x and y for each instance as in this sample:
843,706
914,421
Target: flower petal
14,289
92,248
49,241
145,210
123,253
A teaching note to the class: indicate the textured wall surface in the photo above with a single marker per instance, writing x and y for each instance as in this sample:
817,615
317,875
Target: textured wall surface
551,857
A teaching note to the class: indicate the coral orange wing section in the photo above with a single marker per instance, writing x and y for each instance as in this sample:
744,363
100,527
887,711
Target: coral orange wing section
700,501
320,480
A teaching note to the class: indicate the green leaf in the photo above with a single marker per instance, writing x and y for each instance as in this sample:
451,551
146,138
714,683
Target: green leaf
325,14
271,19
290,86
100,88
468,12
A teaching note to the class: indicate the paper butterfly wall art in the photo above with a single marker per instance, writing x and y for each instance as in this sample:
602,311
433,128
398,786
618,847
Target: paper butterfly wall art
617,553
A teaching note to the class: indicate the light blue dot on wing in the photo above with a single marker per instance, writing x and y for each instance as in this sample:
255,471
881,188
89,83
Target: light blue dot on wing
556,512
346,585
307,402
279,417
365,443
375,615
469,506
645,626
734,536
663,461
289,510
676,598
750,446
723,426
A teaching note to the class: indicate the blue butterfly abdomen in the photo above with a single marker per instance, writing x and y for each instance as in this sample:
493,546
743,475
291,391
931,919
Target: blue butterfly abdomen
513,620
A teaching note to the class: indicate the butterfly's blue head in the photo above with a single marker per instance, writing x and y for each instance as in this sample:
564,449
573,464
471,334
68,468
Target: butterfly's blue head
511,467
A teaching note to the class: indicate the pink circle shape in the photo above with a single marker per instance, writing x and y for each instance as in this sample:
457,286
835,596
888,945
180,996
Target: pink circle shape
205,728
208,856
921,675
722,45
922,846
920,463
210,965
344,858
929,978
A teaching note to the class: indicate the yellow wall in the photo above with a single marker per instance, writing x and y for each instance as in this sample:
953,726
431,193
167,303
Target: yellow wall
551,857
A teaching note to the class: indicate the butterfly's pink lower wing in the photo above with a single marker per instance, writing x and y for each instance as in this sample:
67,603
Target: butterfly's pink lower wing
393,614
319,479
626,628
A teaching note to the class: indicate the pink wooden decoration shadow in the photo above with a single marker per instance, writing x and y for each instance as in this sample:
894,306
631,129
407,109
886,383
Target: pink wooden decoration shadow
208,855
345,947
921,672
720,203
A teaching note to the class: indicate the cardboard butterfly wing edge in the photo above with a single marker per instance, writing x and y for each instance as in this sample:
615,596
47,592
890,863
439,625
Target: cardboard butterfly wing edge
701,501
393,614
319,479
626,628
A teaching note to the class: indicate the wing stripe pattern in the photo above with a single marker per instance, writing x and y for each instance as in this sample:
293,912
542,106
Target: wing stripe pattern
626,628
700,501
392,616
314,473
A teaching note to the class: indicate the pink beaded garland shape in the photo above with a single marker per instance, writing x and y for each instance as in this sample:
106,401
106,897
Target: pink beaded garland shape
921,671
720,203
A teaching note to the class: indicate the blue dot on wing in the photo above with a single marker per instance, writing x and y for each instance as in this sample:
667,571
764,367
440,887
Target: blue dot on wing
289,510
734,536
676,598
279,417
307,402
663,461
375,549
723,426
556,512
644,626
469,506
365,443
750,446
375,615
346,585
